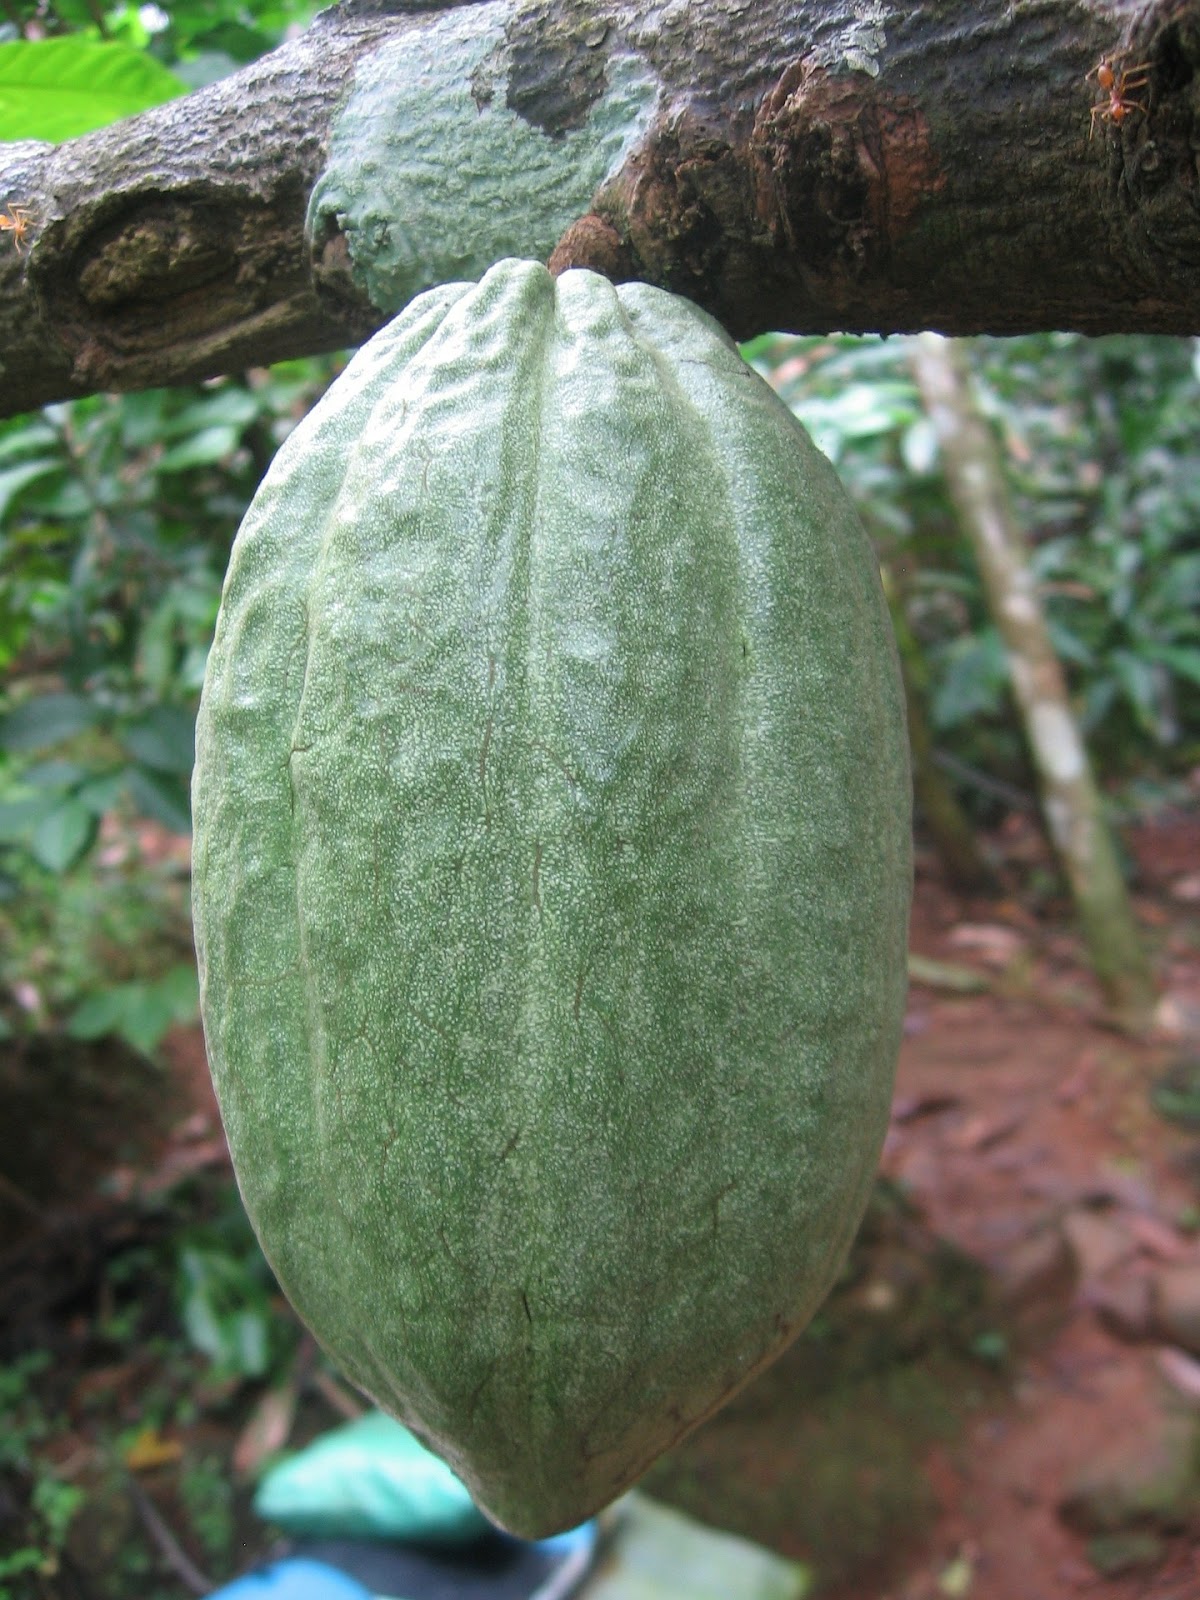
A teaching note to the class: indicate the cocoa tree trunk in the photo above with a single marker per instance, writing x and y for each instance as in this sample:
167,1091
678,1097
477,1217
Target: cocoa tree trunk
844,164
1071,801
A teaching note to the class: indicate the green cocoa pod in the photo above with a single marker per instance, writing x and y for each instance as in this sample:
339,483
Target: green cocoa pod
552,873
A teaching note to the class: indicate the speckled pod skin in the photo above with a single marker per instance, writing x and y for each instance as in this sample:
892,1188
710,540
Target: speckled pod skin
552,873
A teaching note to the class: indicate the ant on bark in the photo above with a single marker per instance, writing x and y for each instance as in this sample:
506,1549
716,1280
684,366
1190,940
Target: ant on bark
15,220
1116,82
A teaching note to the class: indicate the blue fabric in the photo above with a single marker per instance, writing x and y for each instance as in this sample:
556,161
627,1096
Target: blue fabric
293,1580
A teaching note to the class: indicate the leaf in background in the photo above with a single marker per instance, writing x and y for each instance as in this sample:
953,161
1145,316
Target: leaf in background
13,479
63,498
98,1015
53,774
919,447
180,992
164,739
1142,682
1099,697
142,418
229,406
1183,661
25,435
101,792
161,798
56,89
762,348
17,817
1068,645
62,835
200,449
975,679
225,1311
145,1017
45,721
139,1012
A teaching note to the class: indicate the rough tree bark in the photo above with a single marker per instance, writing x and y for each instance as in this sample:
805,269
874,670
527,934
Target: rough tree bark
848,164
1070,799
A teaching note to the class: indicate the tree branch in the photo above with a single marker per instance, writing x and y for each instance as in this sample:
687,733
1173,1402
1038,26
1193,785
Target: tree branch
846,164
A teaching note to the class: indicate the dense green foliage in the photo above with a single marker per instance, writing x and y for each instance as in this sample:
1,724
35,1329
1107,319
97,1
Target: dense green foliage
188,1314
1103,455
116,517
198,40
74,66
118,514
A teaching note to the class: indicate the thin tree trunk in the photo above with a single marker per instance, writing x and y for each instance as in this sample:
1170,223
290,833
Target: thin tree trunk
1070,799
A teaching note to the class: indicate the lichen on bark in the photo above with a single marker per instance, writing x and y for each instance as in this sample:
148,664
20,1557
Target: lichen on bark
451,152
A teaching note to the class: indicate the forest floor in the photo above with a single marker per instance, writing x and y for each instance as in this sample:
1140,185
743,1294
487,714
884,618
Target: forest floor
1031,1136
1001,1400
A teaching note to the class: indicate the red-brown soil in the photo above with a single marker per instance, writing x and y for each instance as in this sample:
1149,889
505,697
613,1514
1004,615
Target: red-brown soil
1020,1115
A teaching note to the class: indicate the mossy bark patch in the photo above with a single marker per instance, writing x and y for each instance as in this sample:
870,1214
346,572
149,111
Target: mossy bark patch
455,148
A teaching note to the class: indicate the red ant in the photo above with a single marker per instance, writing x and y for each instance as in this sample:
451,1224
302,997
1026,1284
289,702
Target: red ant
1116,84
15,220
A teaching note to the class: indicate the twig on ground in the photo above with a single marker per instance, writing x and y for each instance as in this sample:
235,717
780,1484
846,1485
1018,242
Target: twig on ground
169,1547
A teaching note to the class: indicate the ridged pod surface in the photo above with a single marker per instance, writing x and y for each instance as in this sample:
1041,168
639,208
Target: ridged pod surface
551,877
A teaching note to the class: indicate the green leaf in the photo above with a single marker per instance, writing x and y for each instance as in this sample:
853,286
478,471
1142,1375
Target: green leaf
146,1016
975,678
21,436
63,835
224,1311
161,798
1183,661
63,497
230,406
201,449
101,792
17,817
44,721
56,89
98,1015
1142,686
164,740
139,1012
179,990
919,447
13,479
761,348
54,774
143,418
249,1342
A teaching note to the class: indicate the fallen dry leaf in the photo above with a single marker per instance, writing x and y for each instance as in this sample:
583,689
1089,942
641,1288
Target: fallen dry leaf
1079,1082
911,1107
997,945
1160,1239
1181,1371
267,1430
148,1449
982,1131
